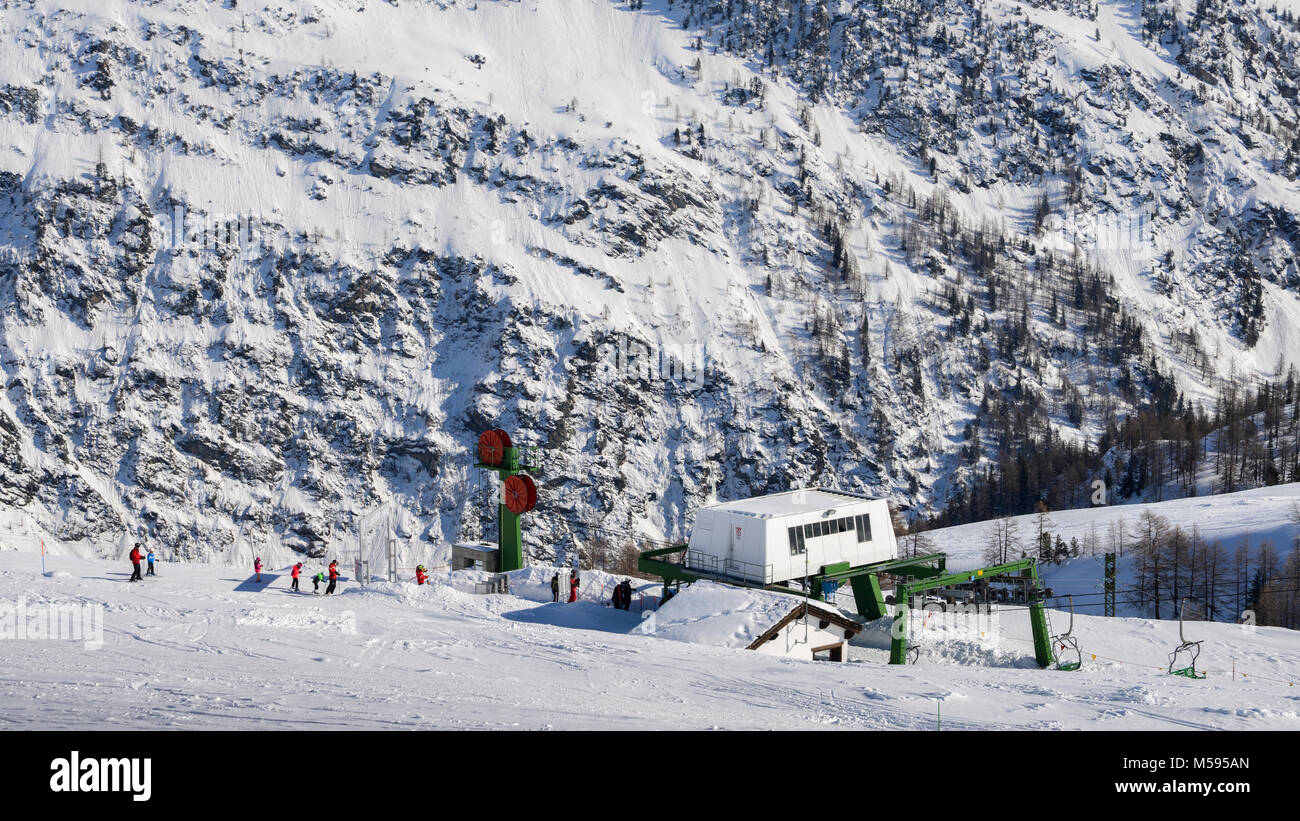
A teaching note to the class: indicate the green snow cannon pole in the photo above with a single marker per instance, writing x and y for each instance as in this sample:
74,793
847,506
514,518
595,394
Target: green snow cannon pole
511,540
518,493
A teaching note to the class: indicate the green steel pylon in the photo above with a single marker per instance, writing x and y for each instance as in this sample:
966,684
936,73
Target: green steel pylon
510,542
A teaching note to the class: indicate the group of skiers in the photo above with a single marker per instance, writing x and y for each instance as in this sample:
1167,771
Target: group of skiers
317,579
138,555
622,593
573,587
296,573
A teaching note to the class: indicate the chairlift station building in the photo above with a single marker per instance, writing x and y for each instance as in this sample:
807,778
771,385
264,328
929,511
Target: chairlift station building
791,535
825,539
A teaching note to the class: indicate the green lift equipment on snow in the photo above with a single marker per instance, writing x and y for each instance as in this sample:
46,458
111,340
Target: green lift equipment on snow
1187,650
915,575
904,591
1069,646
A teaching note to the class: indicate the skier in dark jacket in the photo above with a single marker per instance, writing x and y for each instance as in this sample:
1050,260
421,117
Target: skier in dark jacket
150,572
625,594
555,587
297,569
136,556
334,577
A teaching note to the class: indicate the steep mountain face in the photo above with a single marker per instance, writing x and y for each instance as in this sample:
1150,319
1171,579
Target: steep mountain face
268,267
1177,121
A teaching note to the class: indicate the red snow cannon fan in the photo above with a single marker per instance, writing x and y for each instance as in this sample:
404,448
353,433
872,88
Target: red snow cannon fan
520,493
492,446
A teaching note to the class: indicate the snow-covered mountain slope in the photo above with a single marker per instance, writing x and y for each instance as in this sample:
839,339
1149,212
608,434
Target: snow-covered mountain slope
1247,519
186,649
1262,514
268,268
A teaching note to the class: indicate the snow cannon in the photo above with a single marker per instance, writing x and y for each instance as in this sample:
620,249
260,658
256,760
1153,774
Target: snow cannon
517,494
492,446
520,493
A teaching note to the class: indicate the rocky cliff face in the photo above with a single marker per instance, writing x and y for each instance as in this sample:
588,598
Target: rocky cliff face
266,269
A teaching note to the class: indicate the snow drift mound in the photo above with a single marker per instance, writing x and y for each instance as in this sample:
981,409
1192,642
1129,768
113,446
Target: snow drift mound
721,615
439,592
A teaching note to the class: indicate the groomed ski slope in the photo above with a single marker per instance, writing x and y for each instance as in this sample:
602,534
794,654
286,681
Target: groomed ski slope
186,650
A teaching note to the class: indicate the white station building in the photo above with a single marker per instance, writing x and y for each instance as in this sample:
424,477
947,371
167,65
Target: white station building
770,539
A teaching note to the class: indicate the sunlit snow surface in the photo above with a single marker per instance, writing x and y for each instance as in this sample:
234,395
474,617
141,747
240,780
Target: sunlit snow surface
183,650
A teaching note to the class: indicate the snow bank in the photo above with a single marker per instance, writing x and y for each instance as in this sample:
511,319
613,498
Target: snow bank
721,615
438,592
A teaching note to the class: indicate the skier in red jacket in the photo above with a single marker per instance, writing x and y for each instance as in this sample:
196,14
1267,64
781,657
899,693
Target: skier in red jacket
573,587
334,577
257,567
297,569
420,575
136,556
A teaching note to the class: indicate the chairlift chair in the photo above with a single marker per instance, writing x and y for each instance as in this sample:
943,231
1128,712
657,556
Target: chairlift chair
1187,651
1070,658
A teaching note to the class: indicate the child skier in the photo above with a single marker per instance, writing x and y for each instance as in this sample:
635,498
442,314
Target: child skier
555,587
257,567
334,577
420,575
316,580
150,570
297,569
573,587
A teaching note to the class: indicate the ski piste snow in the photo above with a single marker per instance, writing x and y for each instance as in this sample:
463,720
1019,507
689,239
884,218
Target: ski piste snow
190,652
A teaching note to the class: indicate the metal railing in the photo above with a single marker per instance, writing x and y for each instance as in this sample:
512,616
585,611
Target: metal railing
728,568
